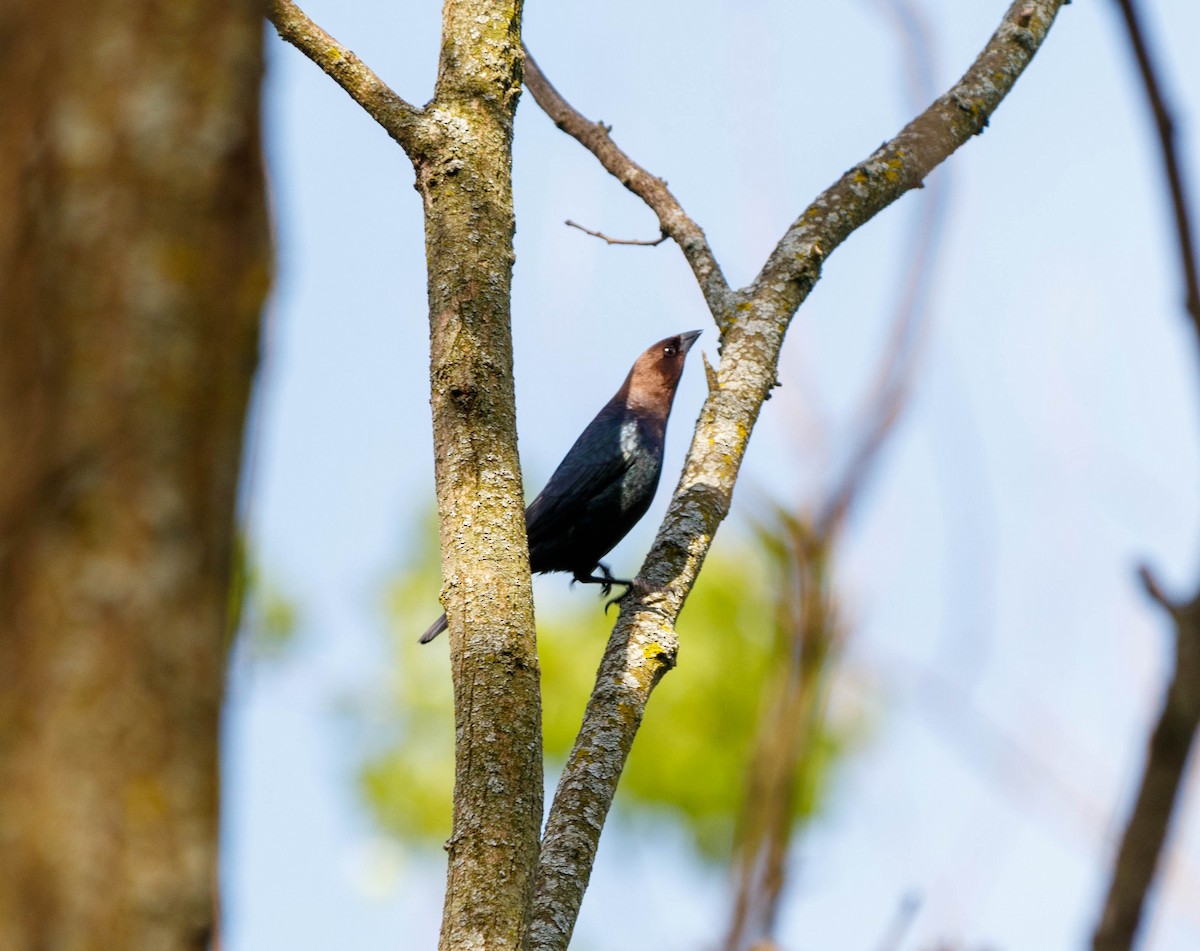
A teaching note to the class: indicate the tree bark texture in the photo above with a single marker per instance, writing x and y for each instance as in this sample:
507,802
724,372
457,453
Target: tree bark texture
134,261
460,145
464,175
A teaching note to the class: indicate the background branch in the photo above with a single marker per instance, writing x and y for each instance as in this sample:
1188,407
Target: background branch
643,644
1145,833
1172,169
787,767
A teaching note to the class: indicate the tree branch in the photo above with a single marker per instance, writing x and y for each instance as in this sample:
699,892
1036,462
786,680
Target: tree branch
810,637
643,645
785,764
399,119
674,221
1166,765
1171,166
461,149
643,243
1174,734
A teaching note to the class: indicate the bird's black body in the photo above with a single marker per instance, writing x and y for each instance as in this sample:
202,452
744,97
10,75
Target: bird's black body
607,479
597,494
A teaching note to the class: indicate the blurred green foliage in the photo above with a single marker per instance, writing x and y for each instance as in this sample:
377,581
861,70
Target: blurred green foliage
691,754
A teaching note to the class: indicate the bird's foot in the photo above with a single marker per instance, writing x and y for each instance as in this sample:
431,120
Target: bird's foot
606,580
636,586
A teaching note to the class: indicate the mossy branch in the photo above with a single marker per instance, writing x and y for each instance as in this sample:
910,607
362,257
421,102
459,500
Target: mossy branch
752,322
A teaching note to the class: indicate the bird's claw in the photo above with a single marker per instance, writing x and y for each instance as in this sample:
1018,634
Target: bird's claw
607,584
618,599
636,586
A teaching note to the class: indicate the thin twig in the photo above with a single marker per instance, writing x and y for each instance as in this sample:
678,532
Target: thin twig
1145,834
643,645
675,222
1155,591
401,120
1171,165
605,238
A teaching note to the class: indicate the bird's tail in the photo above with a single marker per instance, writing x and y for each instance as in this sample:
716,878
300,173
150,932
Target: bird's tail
435,629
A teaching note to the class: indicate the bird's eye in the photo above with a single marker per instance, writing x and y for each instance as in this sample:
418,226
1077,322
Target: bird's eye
668,351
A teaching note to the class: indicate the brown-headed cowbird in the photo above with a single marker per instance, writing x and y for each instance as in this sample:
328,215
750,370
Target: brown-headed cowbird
607,480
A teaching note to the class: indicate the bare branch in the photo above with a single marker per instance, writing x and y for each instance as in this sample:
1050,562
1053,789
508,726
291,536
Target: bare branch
1166,763
785,762
399,119
643,644
594,136
1171,165
1174,735
607,240
461,148
810,636
1155,591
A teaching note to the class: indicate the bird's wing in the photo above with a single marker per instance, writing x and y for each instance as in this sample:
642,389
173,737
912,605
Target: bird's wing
588,472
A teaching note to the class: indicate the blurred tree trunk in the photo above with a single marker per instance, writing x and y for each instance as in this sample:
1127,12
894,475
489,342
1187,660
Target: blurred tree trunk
134,259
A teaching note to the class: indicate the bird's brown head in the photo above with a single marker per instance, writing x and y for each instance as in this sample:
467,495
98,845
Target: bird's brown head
651,383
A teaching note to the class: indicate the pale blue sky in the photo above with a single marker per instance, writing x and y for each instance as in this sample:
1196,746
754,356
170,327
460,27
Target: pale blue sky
1051,443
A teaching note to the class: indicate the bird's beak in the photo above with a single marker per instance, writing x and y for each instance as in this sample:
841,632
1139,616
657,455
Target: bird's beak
686,340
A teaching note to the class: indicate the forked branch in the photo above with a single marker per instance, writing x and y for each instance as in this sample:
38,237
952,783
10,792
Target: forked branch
752,322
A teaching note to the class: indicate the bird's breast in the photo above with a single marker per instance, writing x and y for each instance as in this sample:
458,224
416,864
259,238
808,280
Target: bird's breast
643,456
632,443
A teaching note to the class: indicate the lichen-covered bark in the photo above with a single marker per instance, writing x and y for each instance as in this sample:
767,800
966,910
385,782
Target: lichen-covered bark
133,265
461,147
398,117
464,176
753,322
